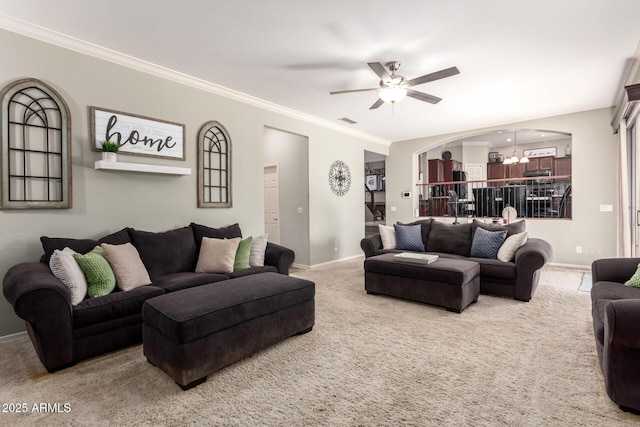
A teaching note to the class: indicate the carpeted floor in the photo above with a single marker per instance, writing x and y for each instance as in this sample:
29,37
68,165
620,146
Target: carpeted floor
369,361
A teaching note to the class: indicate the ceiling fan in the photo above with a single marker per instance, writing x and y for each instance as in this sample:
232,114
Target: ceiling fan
394,87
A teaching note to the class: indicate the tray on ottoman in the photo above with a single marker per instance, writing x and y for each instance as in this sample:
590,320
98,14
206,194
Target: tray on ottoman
194,332
447,282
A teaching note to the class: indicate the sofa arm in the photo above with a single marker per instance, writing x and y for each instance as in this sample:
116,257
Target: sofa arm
613,269
44,302
530,258
621,352
279,257
370,245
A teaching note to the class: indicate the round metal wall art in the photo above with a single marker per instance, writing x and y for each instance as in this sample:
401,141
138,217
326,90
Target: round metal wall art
339,178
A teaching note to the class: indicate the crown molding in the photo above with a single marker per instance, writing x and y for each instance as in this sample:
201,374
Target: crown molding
80,46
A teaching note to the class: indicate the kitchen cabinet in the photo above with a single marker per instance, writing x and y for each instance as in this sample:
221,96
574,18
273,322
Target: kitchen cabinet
562,166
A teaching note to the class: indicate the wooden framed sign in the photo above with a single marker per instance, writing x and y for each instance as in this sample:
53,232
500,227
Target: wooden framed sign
540,152
138,135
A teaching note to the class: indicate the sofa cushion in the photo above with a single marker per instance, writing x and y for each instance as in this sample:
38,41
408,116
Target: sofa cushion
258,249
513,228
217,255
602,293
634,281
409,237
241,260
388,236
512,243
172,251
66,269
425,225
177,281
229,232
486,244
127,266
81,246
100,278
113,306
253,270
450,238
496,269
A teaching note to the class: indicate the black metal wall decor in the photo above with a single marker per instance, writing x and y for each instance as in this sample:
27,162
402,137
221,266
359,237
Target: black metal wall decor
339,178
214,166
35,147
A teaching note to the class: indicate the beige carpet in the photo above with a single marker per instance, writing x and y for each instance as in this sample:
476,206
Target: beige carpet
370,360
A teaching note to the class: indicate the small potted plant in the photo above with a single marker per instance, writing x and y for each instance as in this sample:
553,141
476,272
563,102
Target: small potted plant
110,150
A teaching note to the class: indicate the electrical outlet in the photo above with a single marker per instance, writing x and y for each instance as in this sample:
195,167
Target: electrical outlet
578,249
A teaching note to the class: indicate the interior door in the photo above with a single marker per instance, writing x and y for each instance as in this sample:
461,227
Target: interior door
475,172
272,203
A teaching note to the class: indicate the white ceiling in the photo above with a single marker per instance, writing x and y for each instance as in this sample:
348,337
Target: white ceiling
518,59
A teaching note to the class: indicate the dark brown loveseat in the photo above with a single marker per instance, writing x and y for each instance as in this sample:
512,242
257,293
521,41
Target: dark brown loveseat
517,278
64,334
616,316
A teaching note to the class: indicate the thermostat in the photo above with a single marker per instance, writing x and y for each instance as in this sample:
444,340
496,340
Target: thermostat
406,194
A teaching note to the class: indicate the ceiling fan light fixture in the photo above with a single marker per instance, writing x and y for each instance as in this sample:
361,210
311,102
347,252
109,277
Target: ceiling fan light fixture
393,94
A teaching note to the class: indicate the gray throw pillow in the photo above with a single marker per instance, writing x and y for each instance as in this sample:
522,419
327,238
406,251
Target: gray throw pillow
409,237
486,244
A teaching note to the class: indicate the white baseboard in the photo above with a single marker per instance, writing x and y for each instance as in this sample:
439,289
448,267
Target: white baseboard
576,266
13,337
322,264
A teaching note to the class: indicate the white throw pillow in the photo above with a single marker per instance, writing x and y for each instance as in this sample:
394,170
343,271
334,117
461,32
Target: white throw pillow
388,235
512,243
127,266
67,270
258,248
217,255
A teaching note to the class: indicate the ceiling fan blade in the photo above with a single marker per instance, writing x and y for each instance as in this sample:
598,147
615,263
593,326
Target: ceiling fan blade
376,104
378,68
423,96
447,72
338,92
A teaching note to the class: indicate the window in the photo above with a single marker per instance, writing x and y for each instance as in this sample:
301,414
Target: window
35,142
214,166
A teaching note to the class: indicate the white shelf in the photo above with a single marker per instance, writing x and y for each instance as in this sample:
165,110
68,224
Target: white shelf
139,167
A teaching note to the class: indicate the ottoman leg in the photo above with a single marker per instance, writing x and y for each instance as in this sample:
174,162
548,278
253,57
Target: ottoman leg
305,331
192,384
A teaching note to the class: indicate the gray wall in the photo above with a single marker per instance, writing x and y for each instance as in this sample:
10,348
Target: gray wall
104,202
290,152
594,178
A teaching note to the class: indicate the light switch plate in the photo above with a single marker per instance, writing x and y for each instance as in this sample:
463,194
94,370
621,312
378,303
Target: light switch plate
606,208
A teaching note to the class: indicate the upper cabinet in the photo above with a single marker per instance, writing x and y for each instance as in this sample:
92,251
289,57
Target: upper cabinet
442,170
562,166
540,163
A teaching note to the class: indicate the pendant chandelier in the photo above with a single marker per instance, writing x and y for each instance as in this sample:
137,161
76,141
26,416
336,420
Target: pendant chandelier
514,159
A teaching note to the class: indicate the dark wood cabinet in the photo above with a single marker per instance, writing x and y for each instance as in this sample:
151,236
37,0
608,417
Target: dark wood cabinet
540,163
562,166
442,170
436,170
516,170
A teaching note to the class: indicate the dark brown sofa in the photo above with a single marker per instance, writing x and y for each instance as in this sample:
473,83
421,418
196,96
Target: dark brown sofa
63,334
616,316
516,279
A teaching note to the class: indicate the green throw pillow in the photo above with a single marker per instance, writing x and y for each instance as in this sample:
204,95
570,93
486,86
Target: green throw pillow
100,278
635,279
242,254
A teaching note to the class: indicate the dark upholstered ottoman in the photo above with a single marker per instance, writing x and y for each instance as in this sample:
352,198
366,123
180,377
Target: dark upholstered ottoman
447,282
192,333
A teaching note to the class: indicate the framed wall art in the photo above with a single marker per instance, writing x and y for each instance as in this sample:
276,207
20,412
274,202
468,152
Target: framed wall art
540,152
138,135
